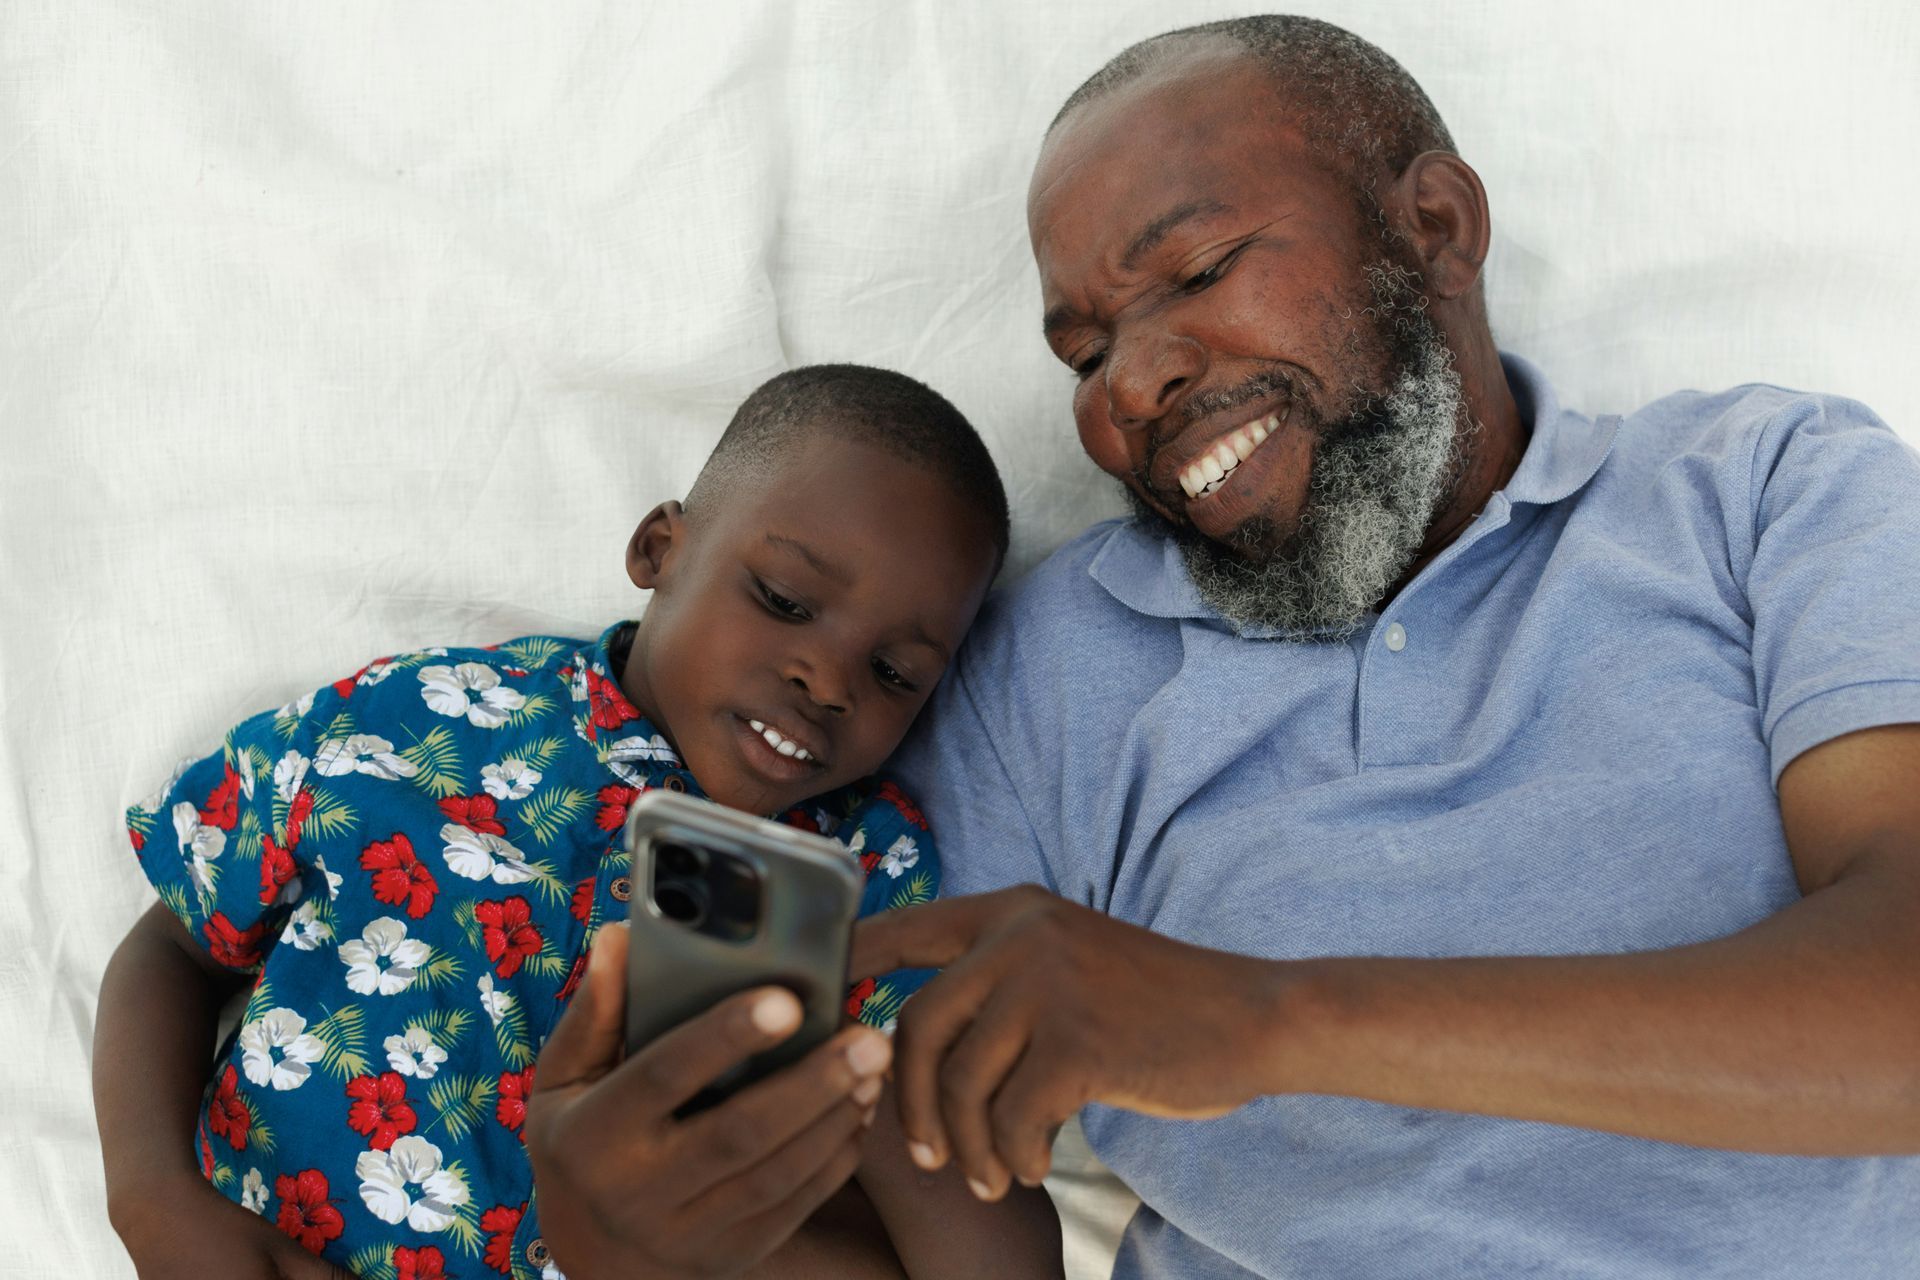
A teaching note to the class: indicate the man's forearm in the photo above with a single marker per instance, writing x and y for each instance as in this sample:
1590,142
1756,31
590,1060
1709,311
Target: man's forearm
1799,1035
151,1049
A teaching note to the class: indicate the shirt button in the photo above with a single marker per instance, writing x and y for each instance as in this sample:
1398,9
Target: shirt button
1396,637
621,888
538,1253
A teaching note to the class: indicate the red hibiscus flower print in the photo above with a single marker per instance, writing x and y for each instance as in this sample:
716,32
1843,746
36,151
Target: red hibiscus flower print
222,808
615,800
276,868
515,1088
227,1114
297,814
574,975
476,813
234,948
206,1155
908,809
858,996
138,837
610,708
304,1212
870,860
399,877
500,1222
582,905
380,1111
426,1263
798,817
511,936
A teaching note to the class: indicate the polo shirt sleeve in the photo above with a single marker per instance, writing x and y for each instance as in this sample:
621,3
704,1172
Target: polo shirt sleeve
953,762
1834,579
220,840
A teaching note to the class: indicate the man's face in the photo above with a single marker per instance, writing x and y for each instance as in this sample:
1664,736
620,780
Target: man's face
822,602
1254,360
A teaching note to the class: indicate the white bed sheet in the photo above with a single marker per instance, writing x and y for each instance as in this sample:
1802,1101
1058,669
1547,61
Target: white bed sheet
335,330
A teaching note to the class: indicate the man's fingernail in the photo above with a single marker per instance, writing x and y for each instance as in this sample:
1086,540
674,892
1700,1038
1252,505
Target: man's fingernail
1030,1182
869,1055
867,1090
981,1191
866,1121
923,1155
775,1012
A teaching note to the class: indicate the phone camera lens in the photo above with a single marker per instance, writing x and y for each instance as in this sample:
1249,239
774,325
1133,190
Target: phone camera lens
684,901
680,860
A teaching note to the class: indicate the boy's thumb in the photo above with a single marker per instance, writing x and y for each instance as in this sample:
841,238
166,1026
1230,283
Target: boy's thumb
589,1039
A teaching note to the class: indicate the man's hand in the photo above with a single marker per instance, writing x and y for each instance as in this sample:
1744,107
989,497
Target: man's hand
1045,1006
627,1190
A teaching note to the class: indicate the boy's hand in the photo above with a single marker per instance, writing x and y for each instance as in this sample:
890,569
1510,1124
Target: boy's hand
627,1190
185,1230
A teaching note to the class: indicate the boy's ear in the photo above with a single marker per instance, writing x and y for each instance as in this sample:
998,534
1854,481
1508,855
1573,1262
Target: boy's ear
650,550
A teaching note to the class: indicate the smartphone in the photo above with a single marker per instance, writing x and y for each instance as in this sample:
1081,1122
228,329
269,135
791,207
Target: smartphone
723,902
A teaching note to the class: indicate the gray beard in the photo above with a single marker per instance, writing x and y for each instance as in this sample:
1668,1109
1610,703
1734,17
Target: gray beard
1379,475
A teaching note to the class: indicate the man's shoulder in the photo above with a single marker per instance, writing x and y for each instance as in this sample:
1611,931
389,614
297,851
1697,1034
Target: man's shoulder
1741,424
1068,591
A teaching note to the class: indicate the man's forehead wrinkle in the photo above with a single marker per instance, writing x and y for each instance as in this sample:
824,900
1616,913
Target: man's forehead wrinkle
1156,231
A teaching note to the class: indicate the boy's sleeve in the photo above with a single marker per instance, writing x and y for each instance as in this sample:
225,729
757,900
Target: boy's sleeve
220,840
889,835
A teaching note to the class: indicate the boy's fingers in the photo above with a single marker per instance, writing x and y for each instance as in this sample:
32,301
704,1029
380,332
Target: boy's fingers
670,1071
775,1179
738,1134
587,1041
776,1224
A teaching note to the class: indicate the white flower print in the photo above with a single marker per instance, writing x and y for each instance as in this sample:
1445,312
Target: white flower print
620,757
152,803
551,1272
253,1191
332,878
243,769
289,774
386,940
480,855
900,855
362,753
498,1004
199,843
509,780
415,1054
377,671
299,706
387,1179
282,1032
305,930
470,689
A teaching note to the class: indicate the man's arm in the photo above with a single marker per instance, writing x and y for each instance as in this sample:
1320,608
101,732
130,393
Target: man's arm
1799,1035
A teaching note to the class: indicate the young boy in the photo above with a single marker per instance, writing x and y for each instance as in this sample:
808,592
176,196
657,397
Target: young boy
411,863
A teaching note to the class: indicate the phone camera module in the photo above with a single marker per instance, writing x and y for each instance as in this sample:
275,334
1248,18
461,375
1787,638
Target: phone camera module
680,860
683,901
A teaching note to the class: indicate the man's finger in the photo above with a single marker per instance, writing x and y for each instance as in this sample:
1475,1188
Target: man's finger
972,1073
929,1024
1026,1115
587,1041
930,936
741,1132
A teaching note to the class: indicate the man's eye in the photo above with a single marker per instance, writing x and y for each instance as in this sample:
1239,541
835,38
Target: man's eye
1084,369
890,675
780,605
1205,279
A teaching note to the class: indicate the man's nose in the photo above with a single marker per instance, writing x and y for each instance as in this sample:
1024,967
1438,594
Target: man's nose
1147,372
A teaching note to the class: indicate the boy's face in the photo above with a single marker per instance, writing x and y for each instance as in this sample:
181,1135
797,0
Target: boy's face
822,601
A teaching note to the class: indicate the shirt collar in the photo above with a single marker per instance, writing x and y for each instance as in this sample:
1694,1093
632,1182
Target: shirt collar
1143,568
630,746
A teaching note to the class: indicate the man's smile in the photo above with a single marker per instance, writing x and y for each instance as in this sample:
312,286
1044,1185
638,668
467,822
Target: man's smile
1221,458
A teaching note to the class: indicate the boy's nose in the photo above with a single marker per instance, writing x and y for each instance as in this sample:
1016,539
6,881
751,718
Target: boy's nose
825,694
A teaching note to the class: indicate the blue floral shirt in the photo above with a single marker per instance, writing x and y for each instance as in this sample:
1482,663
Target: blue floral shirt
414,861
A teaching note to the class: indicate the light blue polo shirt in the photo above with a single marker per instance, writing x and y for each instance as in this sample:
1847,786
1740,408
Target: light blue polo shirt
1561,737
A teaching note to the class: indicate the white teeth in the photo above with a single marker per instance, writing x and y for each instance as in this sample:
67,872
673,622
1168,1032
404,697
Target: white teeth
1223,453
1243,443
1205,474
1211,468
779,742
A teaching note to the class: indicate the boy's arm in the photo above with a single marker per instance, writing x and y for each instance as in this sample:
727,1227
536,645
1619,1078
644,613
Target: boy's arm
152,1046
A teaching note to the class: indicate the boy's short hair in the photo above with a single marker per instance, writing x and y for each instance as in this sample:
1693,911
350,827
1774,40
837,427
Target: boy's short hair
856,402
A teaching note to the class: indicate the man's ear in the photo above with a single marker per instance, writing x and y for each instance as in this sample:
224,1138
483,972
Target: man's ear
1443,210
650,552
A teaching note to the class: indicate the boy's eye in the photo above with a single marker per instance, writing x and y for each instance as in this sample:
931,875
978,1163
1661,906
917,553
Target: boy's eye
890,675
780,605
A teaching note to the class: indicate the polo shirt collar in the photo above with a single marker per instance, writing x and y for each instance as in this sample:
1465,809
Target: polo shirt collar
1143,569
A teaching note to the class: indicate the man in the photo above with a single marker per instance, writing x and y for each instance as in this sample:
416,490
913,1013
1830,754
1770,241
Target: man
1502,827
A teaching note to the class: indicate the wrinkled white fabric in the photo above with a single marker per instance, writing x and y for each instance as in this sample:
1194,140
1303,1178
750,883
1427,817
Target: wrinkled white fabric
328,332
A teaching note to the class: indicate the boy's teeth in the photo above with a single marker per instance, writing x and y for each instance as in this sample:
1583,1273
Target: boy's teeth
785,746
